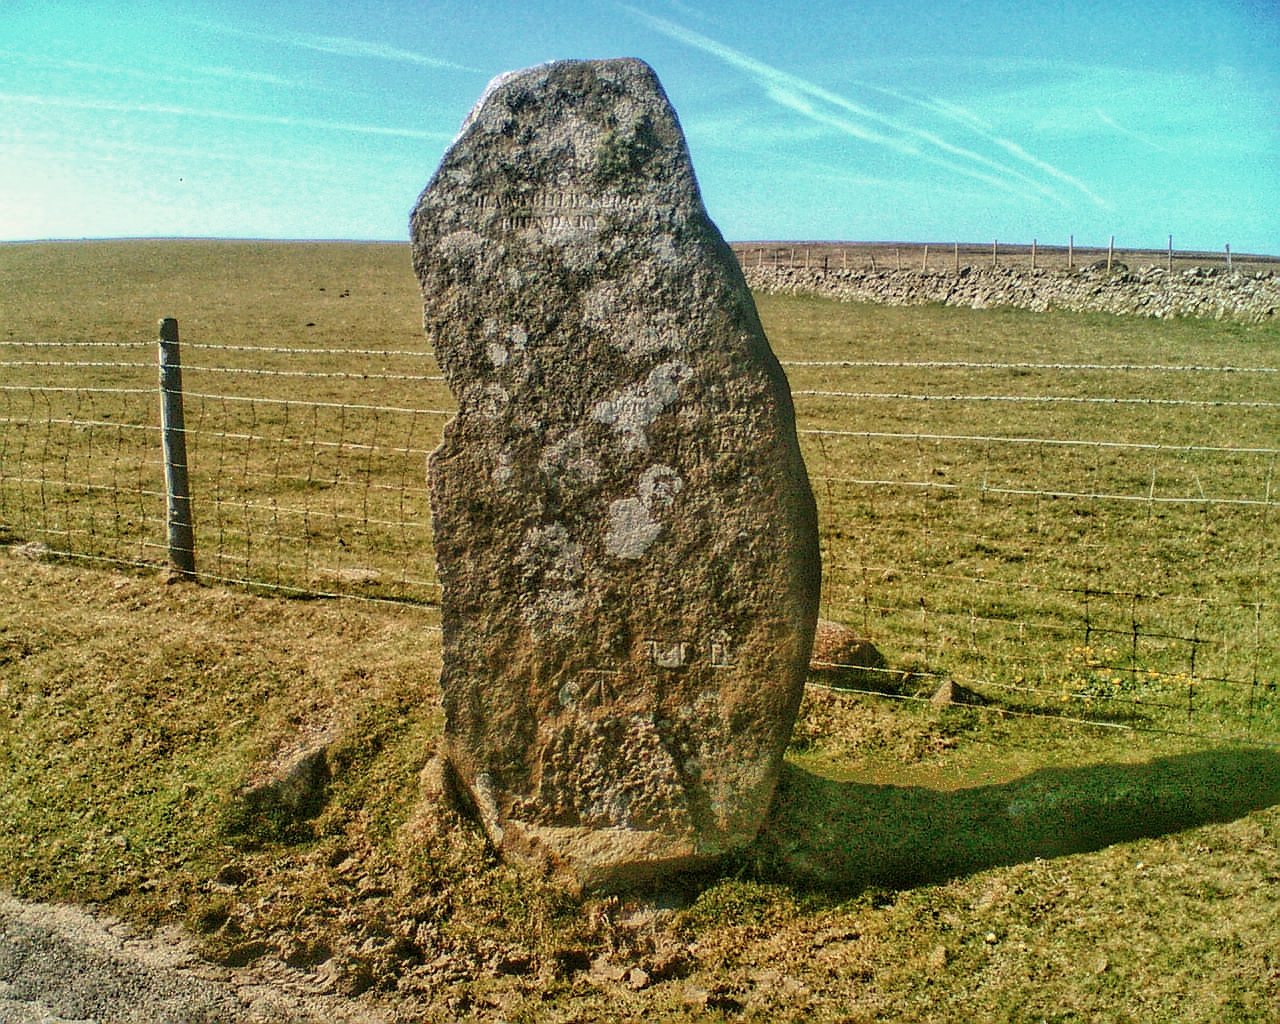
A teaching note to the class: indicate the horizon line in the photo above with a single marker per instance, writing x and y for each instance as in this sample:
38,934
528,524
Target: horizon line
942,246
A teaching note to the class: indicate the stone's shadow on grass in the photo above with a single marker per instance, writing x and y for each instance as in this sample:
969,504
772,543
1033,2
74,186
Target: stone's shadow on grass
846,836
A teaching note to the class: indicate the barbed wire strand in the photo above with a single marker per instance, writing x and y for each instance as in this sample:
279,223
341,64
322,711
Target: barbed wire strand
900,396
879,364
895,364
1046,441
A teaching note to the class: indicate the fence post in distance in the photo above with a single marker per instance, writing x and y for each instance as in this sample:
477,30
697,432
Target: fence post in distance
182,545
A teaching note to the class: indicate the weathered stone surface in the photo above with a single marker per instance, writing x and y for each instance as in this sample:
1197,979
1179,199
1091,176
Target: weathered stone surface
624,530
288,791
951,692
842,658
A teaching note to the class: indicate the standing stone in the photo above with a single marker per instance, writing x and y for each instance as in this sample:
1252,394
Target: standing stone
624,529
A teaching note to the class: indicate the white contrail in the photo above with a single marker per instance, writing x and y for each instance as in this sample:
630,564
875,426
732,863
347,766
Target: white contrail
982,129
786,89
220,115
800,106
1129,132
343,47
359,48
241,75
973,123
194,77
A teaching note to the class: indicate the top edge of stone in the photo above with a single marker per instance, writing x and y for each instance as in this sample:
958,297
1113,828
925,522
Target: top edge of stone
512,77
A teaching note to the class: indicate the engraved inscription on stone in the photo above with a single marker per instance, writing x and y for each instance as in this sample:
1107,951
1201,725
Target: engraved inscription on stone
545,212
721,654
591,689
718,653
625,535
665,654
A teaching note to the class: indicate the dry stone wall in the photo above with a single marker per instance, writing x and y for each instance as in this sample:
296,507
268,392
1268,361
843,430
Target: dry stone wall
1148,291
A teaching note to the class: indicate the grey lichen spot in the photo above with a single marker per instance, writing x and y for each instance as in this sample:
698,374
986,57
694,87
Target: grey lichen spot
633,526
461,246
627,324
631,530
550,560
565,462
503,469
550,553
554,611
659,486
489,400
633,410
498,354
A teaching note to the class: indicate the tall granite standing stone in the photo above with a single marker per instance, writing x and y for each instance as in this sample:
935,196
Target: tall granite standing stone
624,529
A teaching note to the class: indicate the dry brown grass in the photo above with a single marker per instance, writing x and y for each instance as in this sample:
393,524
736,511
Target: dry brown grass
923,864
962,879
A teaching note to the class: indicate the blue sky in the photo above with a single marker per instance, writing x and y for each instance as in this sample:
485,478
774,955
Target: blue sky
966,120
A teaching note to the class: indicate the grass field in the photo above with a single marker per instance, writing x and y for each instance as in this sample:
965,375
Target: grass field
1063,556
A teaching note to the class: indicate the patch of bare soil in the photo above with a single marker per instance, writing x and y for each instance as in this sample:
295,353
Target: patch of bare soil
61,963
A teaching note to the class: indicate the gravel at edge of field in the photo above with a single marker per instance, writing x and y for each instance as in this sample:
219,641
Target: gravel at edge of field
62,965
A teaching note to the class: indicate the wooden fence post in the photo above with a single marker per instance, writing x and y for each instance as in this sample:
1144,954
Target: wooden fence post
957,257
1228,259
995,259
924,264
1111,252
1033,254
1171,254
182,544
1071,252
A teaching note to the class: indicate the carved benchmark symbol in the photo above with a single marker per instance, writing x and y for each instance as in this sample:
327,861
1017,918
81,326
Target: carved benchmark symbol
678,653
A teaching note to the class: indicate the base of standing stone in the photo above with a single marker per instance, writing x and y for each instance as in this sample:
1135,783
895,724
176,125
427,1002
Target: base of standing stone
601,858
625,535
591,858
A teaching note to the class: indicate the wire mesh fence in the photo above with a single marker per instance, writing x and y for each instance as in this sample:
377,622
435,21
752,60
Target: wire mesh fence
301,478
1088,541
